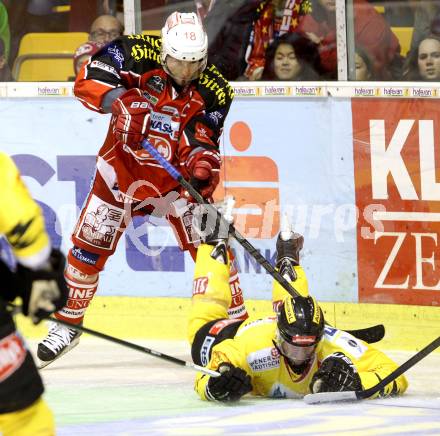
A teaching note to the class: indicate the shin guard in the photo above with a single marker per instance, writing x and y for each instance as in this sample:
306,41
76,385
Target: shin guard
82,288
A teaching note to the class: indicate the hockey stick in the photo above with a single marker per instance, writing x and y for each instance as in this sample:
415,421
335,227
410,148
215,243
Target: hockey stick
260,259
330,397
370,335
80,328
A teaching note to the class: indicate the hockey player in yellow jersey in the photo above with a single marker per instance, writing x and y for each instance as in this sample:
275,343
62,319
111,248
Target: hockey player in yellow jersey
287,355
38,280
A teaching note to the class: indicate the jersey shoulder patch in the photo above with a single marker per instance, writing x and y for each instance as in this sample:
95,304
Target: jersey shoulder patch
346,342
264,359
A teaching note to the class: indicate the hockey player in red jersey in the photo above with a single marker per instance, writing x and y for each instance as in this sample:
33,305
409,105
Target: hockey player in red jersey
162,89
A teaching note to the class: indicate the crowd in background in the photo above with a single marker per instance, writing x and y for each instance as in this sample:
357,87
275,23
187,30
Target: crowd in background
252,39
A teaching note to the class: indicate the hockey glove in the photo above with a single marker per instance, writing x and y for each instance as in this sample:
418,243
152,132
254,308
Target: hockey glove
44,290
336,373
204,170
230,386
132,111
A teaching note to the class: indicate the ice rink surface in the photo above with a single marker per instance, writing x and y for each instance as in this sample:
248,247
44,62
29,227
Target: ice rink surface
104,389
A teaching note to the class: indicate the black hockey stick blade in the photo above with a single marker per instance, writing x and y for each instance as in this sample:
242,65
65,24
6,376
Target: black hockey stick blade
370,335
332,397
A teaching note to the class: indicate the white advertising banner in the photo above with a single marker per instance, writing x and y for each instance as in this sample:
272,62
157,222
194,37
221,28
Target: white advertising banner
281,156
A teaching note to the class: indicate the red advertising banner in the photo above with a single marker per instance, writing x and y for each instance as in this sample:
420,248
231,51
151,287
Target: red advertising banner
397,181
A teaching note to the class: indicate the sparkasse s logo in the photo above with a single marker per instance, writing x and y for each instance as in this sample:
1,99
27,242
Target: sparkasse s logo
254,183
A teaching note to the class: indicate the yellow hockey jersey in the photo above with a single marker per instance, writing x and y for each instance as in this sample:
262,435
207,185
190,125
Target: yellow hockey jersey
252,349
21,219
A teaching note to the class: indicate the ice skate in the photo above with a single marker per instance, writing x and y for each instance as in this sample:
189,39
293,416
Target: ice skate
58,342
289,245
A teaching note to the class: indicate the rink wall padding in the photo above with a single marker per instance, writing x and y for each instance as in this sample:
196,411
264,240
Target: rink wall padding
355,166
407,327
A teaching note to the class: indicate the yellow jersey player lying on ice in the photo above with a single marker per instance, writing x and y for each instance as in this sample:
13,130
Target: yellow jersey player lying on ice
287,355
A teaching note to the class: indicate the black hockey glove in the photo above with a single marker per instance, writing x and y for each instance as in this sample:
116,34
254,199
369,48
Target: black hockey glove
43,291
336,373
230,386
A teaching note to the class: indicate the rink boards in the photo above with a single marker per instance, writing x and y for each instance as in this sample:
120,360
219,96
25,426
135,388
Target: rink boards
354,167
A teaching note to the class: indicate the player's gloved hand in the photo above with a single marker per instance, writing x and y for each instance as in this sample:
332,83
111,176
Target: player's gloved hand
336,373
132,111
204,169
230,386
44,290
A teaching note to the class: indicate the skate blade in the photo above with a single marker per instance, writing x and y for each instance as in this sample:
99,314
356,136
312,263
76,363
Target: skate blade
43,363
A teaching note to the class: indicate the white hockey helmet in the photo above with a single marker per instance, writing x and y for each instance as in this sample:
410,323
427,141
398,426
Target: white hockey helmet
185,39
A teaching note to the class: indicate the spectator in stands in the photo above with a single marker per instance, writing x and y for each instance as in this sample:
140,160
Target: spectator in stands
371,32
84,12
276,18
425,18
105,28
84,53
424,64
292,57
363,65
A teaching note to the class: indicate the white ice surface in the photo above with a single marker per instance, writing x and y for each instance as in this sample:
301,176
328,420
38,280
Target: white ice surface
103,389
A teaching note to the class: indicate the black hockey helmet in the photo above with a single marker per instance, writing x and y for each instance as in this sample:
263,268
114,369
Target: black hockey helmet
300,321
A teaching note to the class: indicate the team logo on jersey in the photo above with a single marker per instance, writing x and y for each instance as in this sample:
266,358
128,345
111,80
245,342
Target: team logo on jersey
116,54
12,355
204,134
100,223
215,117
156,83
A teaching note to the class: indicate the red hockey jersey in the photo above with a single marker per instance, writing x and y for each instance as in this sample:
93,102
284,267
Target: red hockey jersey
181,119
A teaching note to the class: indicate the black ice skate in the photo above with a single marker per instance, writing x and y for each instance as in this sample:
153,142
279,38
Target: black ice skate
59,341
288,254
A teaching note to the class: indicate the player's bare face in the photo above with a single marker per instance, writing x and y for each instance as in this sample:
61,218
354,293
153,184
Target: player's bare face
183,72
429,59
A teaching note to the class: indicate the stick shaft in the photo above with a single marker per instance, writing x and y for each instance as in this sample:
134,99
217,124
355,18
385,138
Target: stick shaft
261,260
327,397
400,370
136,347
